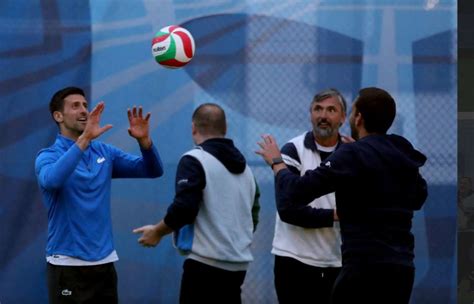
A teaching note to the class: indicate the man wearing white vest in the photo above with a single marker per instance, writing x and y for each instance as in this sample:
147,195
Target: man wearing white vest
307,240
378,188
213,215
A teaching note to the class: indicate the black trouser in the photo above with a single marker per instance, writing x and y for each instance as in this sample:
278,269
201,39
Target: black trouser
202,283
82,284
296,282
374,284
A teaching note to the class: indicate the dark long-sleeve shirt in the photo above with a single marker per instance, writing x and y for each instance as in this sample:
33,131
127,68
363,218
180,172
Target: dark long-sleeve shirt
304,216
378,186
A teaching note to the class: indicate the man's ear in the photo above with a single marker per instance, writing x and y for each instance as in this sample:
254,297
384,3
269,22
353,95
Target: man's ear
58,116
343,120
359,120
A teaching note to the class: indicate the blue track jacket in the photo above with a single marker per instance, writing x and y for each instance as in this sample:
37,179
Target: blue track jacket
76,184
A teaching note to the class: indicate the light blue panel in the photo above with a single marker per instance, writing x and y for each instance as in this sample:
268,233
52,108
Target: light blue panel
426,23
106,11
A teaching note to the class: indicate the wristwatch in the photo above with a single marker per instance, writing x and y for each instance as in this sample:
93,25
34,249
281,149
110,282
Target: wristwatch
276,161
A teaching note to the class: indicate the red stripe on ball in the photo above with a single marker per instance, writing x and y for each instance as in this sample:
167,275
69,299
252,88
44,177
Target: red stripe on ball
188,46
172,63
159,39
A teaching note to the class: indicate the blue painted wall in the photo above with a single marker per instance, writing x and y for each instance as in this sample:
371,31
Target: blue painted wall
262,62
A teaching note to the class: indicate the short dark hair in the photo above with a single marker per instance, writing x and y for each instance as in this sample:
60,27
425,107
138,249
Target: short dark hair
377,108
327,94
209,119
57,101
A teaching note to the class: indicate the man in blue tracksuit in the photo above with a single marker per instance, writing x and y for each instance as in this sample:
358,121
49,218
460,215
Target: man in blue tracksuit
74,175
213,214
378,186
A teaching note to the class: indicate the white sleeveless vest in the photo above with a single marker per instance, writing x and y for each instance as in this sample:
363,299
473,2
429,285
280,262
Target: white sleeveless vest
222,233
320,247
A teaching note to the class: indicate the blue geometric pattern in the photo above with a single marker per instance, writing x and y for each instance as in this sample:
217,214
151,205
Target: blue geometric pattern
262,61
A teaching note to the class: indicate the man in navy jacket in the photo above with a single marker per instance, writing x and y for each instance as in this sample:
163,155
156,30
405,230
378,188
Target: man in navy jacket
378,186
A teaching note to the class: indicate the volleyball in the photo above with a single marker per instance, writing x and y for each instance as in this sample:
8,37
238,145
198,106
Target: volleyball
173,47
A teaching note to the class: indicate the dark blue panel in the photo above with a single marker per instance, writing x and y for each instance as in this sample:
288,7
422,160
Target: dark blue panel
44,52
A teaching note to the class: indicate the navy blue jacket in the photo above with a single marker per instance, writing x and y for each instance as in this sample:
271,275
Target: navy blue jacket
378,186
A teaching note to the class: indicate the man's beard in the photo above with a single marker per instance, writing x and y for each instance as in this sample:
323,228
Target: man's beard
324,133
354,132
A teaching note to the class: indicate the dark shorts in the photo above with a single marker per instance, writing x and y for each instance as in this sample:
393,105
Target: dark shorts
374,284
296,282
202,283
82,284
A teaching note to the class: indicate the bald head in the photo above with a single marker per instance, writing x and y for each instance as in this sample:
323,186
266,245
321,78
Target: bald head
209,120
